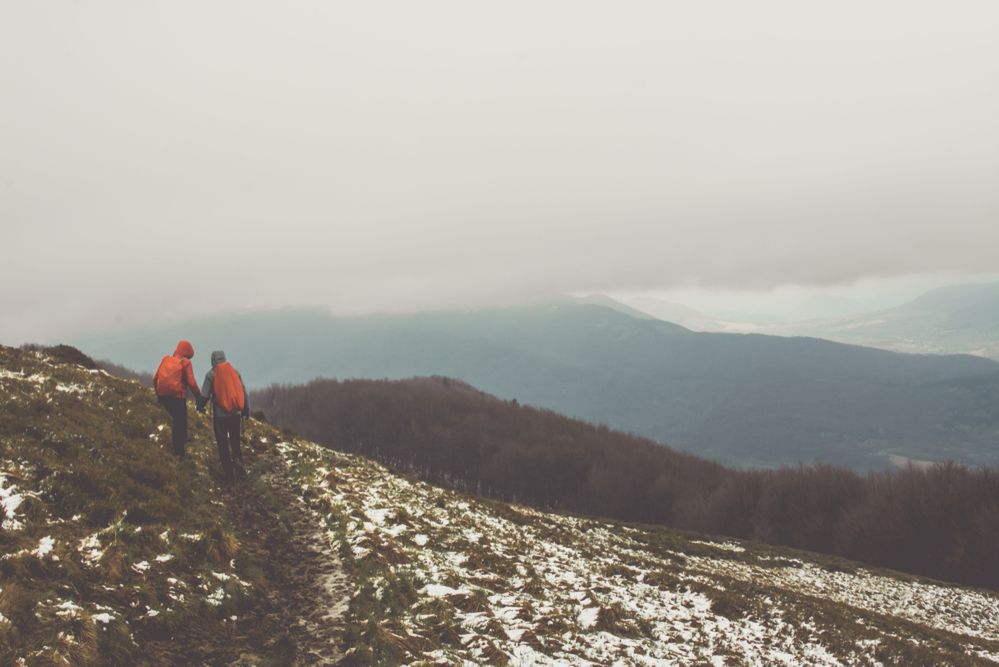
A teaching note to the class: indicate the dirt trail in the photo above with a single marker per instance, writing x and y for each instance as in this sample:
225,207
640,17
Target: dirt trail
301,619
298,620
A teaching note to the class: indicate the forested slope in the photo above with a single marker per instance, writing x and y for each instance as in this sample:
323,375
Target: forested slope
941,521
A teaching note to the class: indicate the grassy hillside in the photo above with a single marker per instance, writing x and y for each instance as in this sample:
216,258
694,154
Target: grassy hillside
112,554
109,545
745,400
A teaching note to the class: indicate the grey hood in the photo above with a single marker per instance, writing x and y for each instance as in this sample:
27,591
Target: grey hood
208,388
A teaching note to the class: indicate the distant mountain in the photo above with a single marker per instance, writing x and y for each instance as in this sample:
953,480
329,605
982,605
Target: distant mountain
963,319
825,306
614,304
676,313
746,400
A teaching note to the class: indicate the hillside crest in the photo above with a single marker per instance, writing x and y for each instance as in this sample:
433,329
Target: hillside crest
103,563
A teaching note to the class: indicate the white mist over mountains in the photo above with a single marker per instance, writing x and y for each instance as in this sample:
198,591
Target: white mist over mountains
798,303
167,160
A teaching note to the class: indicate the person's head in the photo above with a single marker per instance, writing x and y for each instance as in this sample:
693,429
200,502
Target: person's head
184,349
218,356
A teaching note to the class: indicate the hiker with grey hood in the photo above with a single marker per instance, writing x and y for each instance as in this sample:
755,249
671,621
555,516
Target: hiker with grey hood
224,387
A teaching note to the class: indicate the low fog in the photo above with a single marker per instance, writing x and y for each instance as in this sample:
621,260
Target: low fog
167,159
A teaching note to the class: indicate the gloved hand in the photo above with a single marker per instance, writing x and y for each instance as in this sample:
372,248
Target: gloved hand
201,404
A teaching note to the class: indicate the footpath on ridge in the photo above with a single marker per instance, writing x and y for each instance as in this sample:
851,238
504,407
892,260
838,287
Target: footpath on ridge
301,619
297,615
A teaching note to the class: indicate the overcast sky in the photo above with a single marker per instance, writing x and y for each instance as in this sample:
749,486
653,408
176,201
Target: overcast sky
166,158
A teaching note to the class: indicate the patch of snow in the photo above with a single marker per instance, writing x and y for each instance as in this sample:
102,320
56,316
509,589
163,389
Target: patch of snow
90,549
35,378
10,501
726,546
439,590
377,516
216,597
396,530
68,609
588,617
45,546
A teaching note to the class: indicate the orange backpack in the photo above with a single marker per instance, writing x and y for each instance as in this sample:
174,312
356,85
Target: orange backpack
170,377
228,388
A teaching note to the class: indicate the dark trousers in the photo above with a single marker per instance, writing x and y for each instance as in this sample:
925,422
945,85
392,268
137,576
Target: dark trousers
177,408
227,436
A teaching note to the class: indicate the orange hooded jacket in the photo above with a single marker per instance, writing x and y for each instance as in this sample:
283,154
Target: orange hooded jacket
177,387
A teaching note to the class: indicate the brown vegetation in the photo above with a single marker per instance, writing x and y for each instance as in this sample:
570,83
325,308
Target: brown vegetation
941,522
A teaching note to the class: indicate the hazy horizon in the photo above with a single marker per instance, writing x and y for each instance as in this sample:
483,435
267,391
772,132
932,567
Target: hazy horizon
166,161
779,304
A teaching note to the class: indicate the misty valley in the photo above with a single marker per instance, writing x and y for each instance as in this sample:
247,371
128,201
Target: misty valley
518,334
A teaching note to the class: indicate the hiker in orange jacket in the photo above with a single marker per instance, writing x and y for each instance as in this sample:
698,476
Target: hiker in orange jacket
225,389
173,379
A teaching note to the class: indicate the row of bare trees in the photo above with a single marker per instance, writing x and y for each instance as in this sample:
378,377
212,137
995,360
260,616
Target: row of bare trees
941,522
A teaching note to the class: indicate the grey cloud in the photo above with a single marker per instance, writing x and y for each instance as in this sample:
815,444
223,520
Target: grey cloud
410,155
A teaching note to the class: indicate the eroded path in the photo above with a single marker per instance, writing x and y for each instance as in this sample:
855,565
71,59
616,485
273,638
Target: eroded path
300,618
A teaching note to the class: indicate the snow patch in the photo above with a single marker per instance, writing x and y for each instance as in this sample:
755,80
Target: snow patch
68,609
11,499
588,617
439,590
726,546
90,549
45,546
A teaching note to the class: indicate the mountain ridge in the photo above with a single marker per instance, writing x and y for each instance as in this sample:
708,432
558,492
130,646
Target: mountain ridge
954,319
741,399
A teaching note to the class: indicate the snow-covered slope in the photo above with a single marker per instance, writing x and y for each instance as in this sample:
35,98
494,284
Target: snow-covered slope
113,553
464,581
